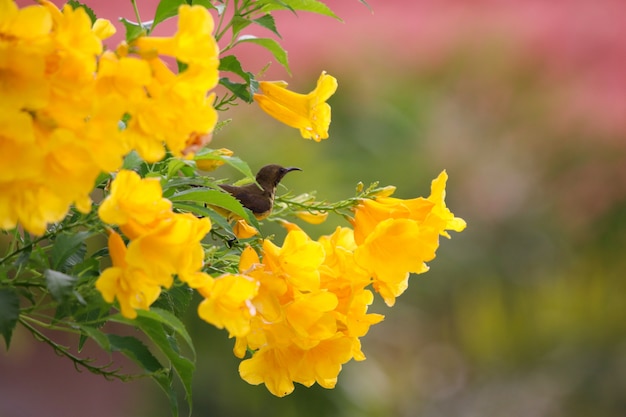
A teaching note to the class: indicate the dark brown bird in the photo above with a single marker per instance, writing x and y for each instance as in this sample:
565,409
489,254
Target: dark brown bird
260,200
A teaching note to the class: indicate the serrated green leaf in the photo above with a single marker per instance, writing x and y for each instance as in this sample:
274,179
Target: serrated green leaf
76,5
239,165
212,198
267,21
135,350
238,24
68,250
238,89
171,321
165,10
133,30
9,313
153,328
271,45
230,63
59,284
183,366
175,300
312,6
97,336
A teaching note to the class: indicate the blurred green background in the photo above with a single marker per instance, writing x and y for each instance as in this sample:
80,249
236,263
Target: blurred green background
522,314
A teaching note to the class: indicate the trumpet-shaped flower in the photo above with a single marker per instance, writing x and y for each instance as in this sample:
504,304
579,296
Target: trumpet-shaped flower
135,203
228,304
172,246
396,237
132,287
307,112
298,260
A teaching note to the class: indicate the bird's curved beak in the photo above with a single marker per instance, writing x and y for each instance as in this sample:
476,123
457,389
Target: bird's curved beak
289,169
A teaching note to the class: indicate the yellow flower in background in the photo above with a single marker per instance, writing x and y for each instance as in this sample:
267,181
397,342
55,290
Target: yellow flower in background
206,163
308,112
310,316
273,367
132,287
323,363
172,246
134,203
298,260
312,216
227,303
243,230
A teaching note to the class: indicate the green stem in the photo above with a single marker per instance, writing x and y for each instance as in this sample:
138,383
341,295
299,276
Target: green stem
134,3
78,362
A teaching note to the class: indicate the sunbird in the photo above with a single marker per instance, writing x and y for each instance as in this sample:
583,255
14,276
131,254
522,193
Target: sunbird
259,197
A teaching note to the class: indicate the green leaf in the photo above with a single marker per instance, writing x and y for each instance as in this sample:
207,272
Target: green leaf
238,89
24,257
136,350
267,21
239,165
173,166
230,63
312,6
9,312
170,320
132,161
97,336
271,45
183,366
59,284
68,250
141,355
245,91
176,299
151,324
205,3
212,198
165,10
239,23
78,5
133,30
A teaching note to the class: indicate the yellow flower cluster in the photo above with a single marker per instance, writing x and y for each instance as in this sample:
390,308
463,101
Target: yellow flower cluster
162,243
303,307
62,100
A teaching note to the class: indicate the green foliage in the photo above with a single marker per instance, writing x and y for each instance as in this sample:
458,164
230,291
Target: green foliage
271,45
312,6
133,30
9,312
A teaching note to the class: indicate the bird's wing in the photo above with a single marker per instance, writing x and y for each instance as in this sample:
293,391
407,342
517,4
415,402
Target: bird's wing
252,201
